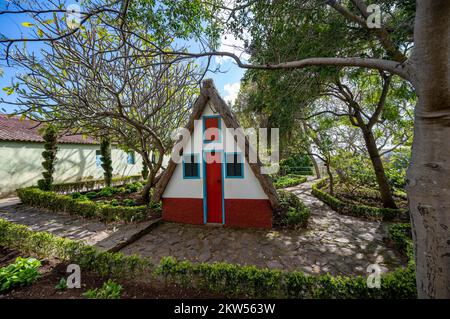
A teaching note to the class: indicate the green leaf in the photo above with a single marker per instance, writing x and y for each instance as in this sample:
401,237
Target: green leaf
27,24
49,21
9,90
40,33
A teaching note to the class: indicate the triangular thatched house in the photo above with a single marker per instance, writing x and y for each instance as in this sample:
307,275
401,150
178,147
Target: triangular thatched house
215,182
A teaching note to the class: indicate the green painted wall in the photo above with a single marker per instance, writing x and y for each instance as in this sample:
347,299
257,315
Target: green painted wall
20,164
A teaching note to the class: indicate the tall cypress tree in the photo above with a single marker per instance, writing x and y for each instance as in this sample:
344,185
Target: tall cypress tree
105,150
50,137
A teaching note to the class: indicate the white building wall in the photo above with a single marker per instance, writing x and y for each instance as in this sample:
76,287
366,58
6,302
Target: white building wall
187,188
236,188
20,164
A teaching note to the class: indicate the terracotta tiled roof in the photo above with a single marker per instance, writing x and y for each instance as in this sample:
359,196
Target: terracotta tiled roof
14,129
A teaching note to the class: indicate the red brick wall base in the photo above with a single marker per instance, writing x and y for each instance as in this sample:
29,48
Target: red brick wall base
245,213
254,213
183,210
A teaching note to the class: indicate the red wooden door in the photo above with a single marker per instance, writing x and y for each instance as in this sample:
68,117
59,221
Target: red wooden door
214,187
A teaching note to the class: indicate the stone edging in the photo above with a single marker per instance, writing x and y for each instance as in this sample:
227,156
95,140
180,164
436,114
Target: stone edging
135,236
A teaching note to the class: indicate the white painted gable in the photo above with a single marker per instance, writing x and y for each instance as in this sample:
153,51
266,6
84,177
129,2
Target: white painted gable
247,187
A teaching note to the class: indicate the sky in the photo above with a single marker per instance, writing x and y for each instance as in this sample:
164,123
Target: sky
227,80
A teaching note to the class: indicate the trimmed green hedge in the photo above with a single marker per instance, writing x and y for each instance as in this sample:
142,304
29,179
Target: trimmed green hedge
291,211
45,245
35,197
288,180
401,235
222,278
296,164
93,184
354,210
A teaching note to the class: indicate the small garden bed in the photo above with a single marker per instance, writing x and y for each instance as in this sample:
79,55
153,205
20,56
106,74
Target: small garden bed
108,204
288,180
351,205
364,196
127,195
48,284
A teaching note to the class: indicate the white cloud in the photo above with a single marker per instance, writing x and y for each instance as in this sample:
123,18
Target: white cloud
232,90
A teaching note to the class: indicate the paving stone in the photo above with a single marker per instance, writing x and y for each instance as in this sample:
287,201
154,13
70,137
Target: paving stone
204,256
359,256
274,264
73,227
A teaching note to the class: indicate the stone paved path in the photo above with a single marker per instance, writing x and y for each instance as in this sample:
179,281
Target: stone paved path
89,231
332,243
4,202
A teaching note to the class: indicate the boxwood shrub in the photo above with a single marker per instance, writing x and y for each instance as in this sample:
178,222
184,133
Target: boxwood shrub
288,180
291,211
401,235
373,213
229,279
46,245
35,197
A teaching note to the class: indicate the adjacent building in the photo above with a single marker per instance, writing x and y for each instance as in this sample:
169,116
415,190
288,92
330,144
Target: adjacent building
78,157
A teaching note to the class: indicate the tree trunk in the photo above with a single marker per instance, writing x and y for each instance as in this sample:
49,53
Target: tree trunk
151,179
383,184
330,177
428,183
147,188
316,166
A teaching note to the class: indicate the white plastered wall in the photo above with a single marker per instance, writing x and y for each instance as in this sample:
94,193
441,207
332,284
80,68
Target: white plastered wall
20,164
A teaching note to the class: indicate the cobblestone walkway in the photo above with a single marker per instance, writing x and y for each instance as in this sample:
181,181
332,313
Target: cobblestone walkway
332,243
89,231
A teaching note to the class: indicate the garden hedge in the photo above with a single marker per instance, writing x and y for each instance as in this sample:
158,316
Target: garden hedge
291,211
35,197
93,184
222,278
288,180
401,235
46,245
350,209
